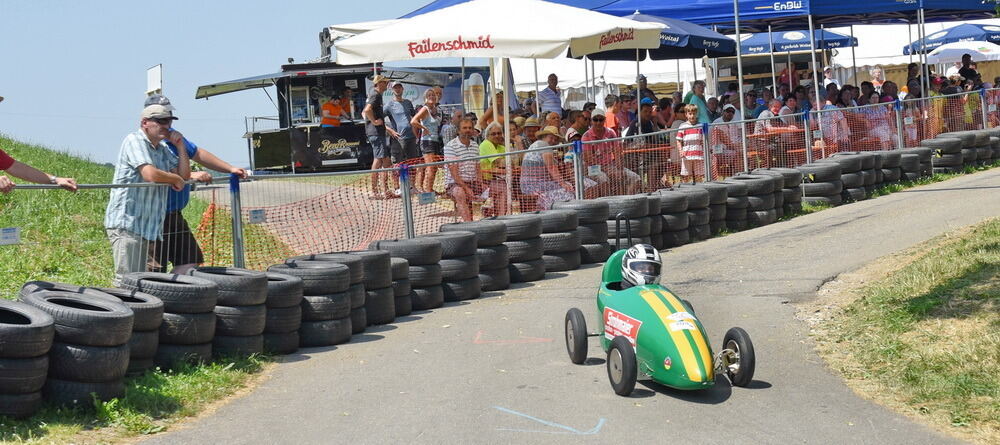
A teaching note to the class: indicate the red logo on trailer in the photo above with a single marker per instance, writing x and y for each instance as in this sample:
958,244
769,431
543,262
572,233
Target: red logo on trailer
617,323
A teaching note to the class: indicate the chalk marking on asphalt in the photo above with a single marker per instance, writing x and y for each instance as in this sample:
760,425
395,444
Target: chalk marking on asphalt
568,430
522,340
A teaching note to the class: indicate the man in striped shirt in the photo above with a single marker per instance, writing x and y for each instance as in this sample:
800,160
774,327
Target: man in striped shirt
549,99
134,216
463,180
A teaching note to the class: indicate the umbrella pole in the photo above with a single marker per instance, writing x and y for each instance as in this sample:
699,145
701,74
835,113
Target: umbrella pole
586,81
505,66
593,80
770,50
739,85
461,86
854,61
816,85
909,35
493,90
789,67
923,46
538,105
679,87
822,43
638,106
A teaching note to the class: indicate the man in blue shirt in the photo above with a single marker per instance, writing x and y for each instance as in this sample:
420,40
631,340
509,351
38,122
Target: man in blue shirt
178,245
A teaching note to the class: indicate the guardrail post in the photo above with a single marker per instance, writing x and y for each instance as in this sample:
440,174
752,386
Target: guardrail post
578,169
237,213
808,136
900,138
982,106
743,136
706,151
404,190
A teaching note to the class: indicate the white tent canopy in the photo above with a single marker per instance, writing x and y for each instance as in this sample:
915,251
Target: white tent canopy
484,28
352,29
952,52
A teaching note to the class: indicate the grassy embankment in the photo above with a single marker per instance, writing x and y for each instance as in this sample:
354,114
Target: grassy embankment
923,339
63,240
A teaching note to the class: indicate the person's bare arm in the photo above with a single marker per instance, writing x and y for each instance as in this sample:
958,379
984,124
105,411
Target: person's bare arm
183,163
369,114
550,164
28,173
418,128
150,173
210,160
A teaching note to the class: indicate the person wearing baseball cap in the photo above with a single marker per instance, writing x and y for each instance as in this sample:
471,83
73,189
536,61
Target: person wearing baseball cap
725,135
26,172
374,113
644,91
134,216
828,77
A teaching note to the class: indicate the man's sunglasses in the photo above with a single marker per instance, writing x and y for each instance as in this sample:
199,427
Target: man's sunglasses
162,120
597,119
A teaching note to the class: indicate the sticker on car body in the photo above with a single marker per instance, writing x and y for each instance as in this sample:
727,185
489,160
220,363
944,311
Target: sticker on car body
682,326
617,323
680,316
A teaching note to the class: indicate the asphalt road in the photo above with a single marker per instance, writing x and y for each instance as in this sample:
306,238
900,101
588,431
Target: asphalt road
495,370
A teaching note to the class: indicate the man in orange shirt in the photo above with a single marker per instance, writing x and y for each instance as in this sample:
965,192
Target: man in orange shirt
346,98
332,112
611,104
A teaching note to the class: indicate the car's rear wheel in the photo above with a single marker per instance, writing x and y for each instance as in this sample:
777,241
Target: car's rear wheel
739,361
622,366
576,336
690,307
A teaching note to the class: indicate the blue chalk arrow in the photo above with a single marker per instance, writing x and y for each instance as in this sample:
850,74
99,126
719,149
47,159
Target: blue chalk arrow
568,430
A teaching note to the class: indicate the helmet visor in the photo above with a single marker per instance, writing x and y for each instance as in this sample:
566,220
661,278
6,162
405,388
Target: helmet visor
647,268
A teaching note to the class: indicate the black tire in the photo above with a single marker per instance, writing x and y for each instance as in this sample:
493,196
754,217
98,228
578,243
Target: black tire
562,261
377,268
622,366
422,276
587,211
318,277
792,177
655,224
526,249
717,212
595,253
187,329
403,305
237,346
22,375
282,320
283,290
88,363
965,139
462,289
576,336
37,286
779,198
891,174
494,279
281,344
399,269
675,221
733,188
761,202
632,206
400,288
925,153
737,202
526,271
84,320
455,243
169,356
822,188
699,232
831,200
718,226
359,320
819,172
237,287
558,220
240,321
890,158
354,263
640,227
488,232
20,406
424,298
326,307
26,331
656,240
494,257
943,145
867,159
672,201
717,193
756,184
81,394
676,238
852,180
357,294
984,153
454,269
909,162
560,242
653,204
847,163
854,195
969,155
736,225
325,333
758,218
736,214
791,195
521,227
147,309
138,366
380,306
418,251
142,345
181,294
910,176
947,160
593,233
742,375
869,177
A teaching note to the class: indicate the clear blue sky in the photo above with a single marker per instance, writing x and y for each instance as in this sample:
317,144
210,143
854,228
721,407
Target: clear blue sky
73,73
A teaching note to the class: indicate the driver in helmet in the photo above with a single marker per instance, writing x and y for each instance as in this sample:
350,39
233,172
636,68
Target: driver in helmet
640,265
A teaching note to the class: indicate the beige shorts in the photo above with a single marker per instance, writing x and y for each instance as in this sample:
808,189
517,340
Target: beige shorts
692,167
129,251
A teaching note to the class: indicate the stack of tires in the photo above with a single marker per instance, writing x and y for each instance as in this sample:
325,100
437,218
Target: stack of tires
560,240
400,270
356,267
994,149
492,253
673,218
634,211
380,304
718,195
326,301
27,335
240,312
948,151
524,246
284,313
655,224
916,162
459,265
892,166
699,214
787,200
736,204
592,216
90,350
821,183
856,174
423,257
760,197
148,316
984,150
188,319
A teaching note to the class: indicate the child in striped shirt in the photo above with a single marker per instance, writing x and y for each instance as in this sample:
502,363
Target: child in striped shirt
689,144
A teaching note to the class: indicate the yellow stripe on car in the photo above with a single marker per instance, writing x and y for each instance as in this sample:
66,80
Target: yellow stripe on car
699,340
683,345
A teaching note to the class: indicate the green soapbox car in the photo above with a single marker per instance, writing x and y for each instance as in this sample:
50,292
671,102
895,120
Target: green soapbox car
647,330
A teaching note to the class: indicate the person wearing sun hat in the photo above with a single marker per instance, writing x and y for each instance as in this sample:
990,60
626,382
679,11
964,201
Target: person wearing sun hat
540,174
26,172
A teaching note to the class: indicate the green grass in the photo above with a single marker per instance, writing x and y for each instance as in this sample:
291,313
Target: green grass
926,337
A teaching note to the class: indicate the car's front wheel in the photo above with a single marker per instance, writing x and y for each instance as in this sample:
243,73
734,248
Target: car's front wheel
622,367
